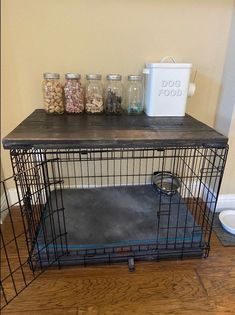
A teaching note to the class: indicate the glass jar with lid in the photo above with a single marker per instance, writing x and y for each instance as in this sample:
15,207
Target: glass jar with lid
134,95
94,103
52,93
113,94
73,92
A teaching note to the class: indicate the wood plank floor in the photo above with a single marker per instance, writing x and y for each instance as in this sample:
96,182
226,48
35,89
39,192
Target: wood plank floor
196,286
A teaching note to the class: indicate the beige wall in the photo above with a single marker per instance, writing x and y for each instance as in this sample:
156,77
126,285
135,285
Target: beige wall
228,184
108,36
227,95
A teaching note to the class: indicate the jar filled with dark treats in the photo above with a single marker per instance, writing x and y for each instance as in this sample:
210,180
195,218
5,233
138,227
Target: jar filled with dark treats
113,94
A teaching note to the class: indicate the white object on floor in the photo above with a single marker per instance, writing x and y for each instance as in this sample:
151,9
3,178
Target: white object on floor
227,219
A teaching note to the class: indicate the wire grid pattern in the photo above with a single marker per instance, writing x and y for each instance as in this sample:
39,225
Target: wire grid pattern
199,169
21,218
38,173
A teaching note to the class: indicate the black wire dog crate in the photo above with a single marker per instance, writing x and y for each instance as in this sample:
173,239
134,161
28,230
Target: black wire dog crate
87,191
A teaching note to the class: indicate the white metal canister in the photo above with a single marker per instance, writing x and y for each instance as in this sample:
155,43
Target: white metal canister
167,87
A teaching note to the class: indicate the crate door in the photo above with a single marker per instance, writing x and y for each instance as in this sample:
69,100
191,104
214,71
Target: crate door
33,234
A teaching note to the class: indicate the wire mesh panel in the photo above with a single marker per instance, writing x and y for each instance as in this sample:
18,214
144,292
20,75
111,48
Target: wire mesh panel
113,210
24,198
103,205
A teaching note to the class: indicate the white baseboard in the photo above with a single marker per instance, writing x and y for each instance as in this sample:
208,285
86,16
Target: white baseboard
225,201
12,199
4,210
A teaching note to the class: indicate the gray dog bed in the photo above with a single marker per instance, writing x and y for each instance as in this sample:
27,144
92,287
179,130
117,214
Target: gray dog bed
126,215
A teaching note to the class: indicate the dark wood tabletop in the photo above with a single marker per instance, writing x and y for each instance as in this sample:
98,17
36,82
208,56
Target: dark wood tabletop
42,130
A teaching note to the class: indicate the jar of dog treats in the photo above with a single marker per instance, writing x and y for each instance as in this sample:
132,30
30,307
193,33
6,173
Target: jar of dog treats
94,103
52,93
73,92
113,94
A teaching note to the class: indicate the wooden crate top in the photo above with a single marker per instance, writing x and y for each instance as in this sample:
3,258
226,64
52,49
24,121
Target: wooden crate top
41,130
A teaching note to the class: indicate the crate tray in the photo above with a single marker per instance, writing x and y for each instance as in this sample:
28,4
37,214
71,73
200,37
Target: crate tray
123,216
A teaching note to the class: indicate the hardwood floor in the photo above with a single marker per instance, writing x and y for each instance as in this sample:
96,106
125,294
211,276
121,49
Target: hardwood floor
196,286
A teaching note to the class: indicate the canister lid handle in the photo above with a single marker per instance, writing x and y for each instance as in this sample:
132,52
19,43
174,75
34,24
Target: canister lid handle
168,58
146,71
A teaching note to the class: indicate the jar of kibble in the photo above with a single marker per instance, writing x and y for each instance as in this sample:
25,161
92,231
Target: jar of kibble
113,94
134,95
94,103
52,93
73,92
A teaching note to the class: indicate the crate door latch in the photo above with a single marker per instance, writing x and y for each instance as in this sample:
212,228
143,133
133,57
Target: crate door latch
131,264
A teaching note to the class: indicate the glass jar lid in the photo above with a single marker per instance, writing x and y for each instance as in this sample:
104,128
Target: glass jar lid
114,77
72,76
93,76
133,77
52,75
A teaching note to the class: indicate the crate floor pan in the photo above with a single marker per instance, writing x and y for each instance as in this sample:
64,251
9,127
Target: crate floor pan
112,223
